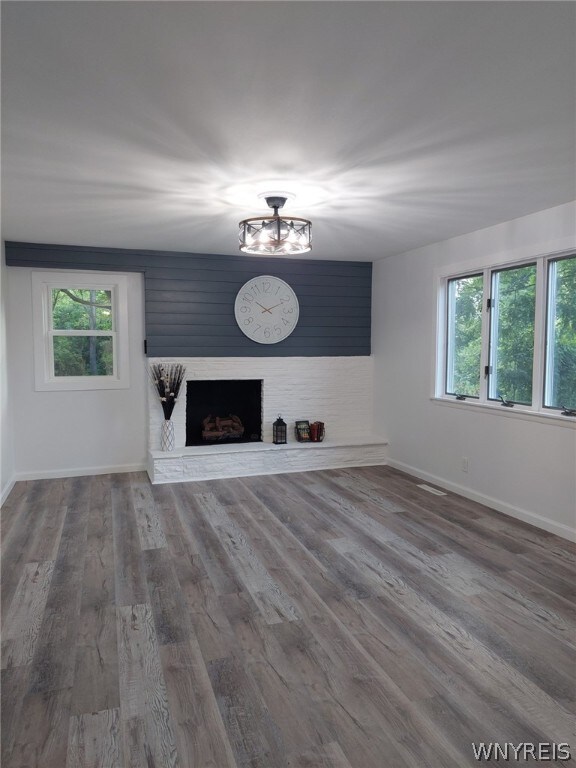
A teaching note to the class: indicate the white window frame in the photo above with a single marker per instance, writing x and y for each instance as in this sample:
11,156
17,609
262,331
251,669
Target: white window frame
537,410
42,285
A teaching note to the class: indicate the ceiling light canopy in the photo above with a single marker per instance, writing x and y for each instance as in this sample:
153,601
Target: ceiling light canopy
275,235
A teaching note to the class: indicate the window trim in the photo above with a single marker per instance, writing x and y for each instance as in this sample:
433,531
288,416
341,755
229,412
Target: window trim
42,285
537,410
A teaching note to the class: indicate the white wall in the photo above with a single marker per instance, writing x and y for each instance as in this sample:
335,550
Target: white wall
525,468
6,406
80,432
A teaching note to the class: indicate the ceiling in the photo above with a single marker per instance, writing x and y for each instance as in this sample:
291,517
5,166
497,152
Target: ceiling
394,124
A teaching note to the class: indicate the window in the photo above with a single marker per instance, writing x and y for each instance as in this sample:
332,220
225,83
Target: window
509,335
560,379
512,316
80,330
464,335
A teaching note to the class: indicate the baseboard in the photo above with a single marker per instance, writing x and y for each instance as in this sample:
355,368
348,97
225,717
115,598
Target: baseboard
508,509
6,491
49,474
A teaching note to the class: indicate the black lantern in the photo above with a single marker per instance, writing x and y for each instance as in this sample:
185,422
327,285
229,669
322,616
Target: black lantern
279,431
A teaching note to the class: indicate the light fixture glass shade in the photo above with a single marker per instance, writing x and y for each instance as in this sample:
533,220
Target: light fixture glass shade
275,235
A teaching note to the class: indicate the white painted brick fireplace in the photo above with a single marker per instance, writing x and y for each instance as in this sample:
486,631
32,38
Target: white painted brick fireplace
335,390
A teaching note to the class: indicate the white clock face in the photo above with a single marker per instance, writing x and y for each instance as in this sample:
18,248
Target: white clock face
266,309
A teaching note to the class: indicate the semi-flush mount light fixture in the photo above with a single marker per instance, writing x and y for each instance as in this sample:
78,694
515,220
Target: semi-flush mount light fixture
275,235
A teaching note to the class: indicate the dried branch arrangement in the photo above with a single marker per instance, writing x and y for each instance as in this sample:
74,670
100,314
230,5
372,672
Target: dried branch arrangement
167,379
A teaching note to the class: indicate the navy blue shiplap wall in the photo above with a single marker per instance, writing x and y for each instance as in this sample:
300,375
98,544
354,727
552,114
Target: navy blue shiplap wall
189,300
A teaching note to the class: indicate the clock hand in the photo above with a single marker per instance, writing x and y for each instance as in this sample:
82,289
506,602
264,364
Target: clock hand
263,308
275,305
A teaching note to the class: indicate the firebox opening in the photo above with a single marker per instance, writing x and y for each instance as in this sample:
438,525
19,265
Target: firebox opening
223,411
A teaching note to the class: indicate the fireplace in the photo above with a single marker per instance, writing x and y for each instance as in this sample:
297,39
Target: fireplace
222,411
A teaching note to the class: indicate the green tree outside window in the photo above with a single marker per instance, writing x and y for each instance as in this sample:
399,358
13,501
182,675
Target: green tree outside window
80,319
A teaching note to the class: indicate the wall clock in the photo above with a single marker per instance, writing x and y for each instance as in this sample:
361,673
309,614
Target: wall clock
266,309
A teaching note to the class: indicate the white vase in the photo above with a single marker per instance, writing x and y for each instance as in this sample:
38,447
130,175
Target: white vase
167,442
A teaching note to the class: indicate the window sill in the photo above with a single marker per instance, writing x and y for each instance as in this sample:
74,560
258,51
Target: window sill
82,383
517,412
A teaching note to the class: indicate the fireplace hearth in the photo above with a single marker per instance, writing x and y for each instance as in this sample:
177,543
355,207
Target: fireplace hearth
222,411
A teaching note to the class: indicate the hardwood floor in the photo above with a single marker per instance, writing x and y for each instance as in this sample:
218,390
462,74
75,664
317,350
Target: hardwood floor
333,619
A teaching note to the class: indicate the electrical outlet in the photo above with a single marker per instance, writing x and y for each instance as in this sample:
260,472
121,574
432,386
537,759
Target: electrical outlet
464,464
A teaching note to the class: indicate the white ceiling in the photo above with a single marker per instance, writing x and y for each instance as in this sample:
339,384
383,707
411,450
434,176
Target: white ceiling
394,124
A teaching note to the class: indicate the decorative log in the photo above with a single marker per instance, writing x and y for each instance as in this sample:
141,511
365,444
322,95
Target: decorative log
218,428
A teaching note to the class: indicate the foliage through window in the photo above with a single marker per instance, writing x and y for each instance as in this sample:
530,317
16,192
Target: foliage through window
82,342
560,381
510,335
464,335
82,320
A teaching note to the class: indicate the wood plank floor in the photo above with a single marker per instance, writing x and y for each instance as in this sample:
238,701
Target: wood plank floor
334,619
